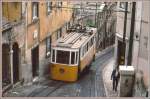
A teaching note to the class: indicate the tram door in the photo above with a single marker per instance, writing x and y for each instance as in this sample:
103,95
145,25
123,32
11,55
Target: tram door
35,61
121,53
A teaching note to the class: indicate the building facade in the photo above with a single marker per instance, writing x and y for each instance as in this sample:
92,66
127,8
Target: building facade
13,42
46,22
27,36
135,51
106,25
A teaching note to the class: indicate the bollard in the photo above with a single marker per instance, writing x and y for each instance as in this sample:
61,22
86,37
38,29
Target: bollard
127,75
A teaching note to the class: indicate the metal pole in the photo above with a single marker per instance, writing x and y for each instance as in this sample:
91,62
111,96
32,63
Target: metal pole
125,21
96,16
131,34
124,31
105,33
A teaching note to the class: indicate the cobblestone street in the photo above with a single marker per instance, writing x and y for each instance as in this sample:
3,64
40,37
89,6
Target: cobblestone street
90,83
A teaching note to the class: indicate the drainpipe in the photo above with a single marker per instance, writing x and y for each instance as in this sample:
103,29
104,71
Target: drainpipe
96,16
148,94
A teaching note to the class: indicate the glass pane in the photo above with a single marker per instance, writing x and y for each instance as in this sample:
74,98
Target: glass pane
76,57
63,57
53,57
72,58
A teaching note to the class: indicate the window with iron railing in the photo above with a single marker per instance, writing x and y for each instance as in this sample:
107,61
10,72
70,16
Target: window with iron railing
49,7
48,46
35,10
59,33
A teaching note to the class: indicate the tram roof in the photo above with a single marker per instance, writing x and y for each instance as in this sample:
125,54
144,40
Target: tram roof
74,39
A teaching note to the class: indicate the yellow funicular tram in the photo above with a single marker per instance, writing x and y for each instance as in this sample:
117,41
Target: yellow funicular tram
71,54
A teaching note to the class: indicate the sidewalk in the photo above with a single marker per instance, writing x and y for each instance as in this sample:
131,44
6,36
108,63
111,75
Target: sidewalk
107,79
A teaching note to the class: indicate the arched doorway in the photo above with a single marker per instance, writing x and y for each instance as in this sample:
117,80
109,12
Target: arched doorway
6,74
35,61
15,63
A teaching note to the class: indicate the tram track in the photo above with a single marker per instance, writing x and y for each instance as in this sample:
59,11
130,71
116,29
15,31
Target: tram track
46,89
99,64
90,84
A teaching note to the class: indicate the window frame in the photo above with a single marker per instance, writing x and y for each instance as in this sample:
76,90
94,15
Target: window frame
48,46
59,4
122,5
49,7
35,10
84,46
123,8
76,58
59,33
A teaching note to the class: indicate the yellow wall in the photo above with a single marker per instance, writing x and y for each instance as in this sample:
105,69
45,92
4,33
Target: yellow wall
30,34
52,22
11,10
47,23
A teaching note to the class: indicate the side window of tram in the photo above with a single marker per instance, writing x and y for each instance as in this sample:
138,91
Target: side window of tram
62,57
76,57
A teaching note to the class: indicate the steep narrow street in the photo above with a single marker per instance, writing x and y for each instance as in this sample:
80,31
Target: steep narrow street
90,83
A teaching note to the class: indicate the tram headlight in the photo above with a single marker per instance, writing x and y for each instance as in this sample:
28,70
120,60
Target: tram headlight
61,70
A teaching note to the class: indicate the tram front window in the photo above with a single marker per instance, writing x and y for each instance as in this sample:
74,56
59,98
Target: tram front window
73,58
62,57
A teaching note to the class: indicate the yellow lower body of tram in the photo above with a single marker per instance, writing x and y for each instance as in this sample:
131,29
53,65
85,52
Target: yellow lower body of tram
64,72
70,73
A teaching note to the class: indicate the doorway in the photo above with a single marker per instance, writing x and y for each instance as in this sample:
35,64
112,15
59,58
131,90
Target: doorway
35,61
121,53
15,63
6,77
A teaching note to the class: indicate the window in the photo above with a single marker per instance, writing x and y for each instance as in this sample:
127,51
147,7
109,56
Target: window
59,4
87,48
49,7
68,26
34,10
90,43
76,57
53,55
122,5
48,46
59,33
63,57
72,57
84,49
